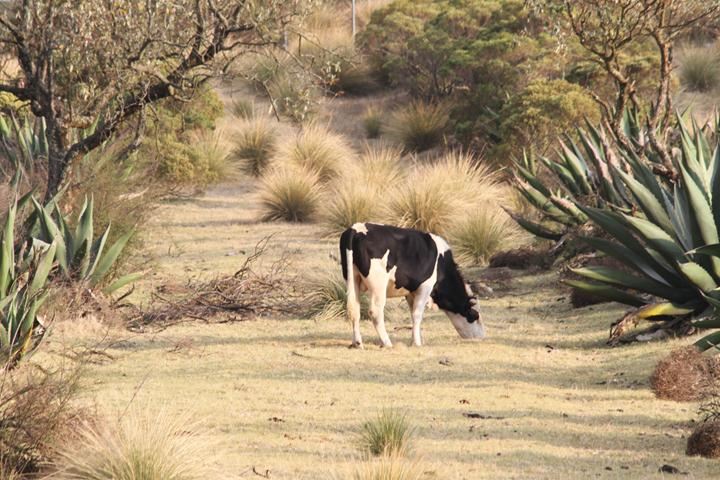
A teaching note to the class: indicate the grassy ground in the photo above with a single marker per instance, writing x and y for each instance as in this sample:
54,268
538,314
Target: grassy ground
286,395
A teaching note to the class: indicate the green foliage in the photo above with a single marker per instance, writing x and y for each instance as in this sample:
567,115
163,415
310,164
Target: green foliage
172,134
23,143
700,68
80,254
539,113
419,126
390,434
10,104
675,273
22,292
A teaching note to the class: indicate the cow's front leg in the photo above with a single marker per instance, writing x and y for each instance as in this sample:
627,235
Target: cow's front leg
420,300
377,313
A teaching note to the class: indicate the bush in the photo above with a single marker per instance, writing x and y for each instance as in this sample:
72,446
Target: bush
316,149
388,435
685,375
372,121
535,117
482,234
705,440
139,446
254,147
290,194
211,155
700,68
419,126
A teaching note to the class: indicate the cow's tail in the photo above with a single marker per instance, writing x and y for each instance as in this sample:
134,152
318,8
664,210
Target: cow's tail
346,259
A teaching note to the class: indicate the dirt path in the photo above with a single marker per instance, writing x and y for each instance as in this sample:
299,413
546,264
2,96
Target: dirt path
542,397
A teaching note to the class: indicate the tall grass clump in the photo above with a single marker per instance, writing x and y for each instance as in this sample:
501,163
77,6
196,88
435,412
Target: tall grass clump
140,446
290,194
349,202
213,154
388,468
436,194
389,434
327,297
483,233
242,108
372,122
700,68
419,126
254,146
316,149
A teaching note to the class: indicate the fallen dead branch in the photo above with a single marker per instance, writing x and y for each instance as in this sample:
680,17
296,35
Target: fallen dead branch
245,295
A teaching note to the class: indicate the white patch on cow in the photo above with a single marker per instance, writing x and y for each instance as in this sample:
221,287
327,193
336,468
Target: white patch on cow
442,245
467,330
360,228
420,298
468,290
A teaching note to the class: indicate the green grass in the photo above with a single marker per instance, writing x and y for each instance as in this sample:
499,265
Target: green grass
389,434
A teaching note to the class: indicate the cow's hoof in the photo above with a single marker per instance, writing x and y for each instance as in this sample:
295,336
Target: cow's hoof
356,345
386,345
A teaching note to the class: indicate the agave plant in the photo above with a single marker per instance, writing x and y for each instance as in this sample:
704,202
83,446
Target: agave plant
81,257
23,142
670,243
22,292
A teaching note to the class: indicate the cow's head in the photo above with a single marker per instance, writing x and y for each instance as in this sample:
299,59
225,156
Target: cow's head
467,319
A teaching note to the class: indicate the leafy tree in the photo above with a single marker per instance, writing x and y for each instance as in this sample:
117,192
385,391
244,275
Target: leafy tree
88,66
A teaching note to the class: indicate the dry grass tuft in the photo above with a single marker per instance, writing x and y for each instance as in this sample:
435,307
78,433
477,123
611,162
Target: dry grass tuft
482,234
349,202
213,154
685,375
316,149
700,68
140,446
327,297
705,440
36,411
242,108
436,195
254,146
388,468
419,126
372,122
390,434
290,194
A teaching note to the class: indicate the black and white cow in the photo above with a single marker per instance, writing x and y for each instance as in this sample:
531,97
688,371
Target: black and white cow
389,261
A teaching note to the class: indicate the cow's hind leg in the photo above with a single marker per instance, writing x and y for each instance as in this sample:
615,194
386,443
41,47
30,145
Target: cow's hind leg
353,311
377,313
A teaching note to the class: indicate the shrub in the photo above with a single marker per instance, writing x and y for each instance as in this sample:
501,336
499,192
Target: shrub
254,147
685,375
388,468
290,194
419,126
389,434
372,121
483,233
705,440
143,446
212,155
534,118
293,96
327,297
316,149
435,195
700,68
